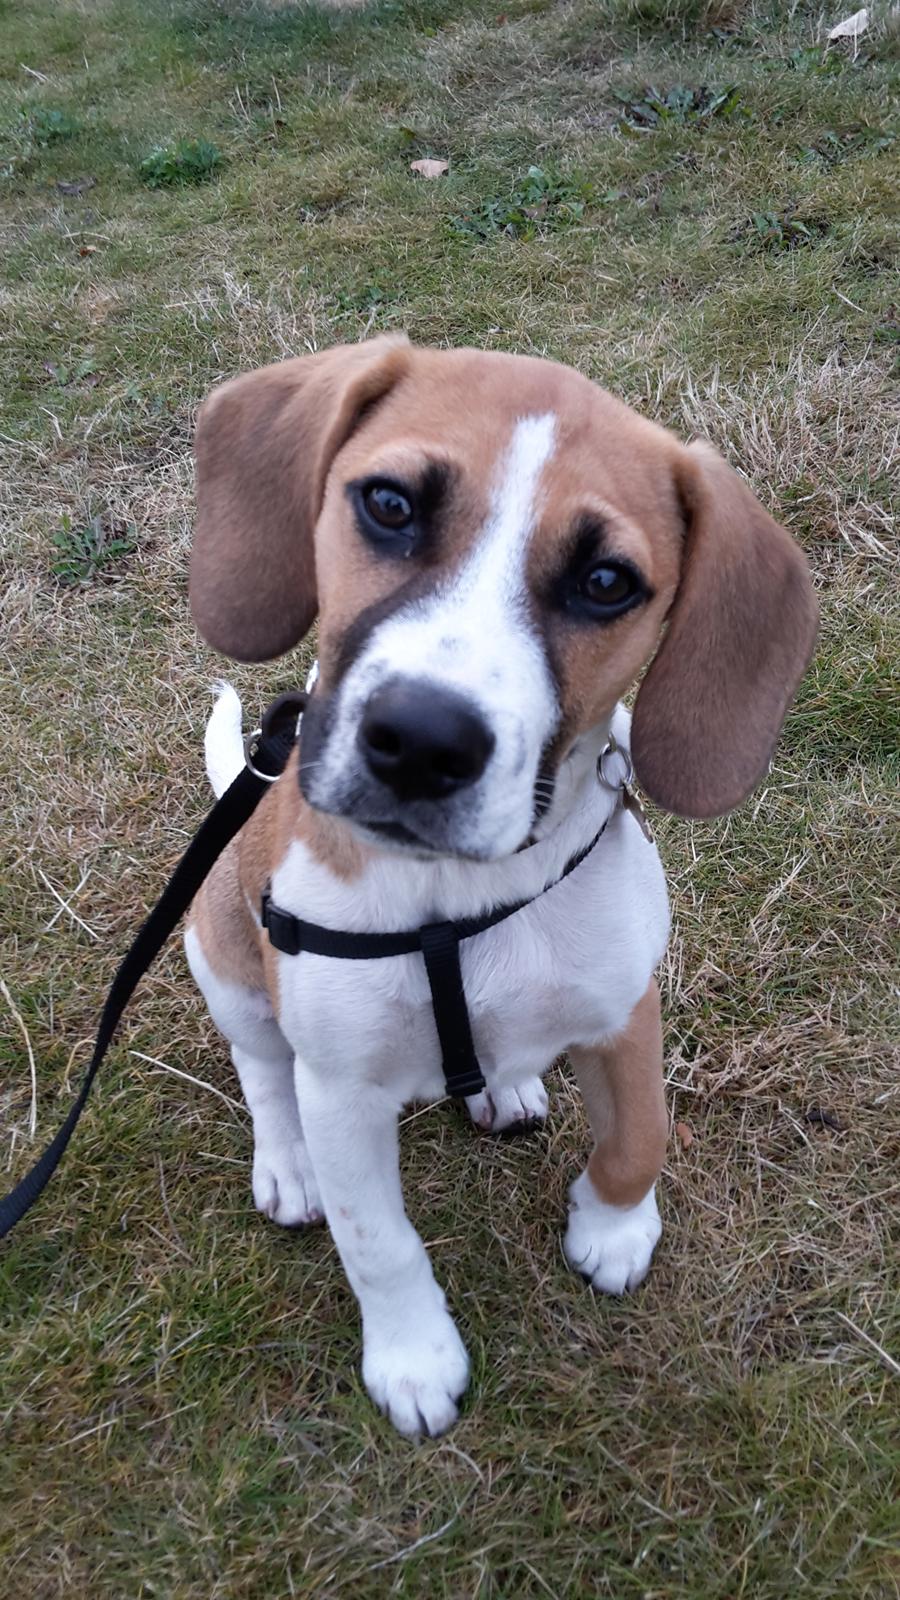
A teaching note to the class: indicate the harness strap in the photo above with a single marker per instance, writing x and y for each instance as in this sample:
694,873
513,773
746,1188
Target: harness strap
440,947
439,943
269,754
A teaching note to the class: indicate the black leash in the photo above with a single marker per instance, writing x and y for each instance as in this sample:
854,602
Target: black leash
268,752
439,943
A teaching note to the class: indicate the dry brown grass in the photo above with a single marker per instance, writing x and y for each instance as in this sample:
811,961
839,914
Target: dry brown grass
177,1380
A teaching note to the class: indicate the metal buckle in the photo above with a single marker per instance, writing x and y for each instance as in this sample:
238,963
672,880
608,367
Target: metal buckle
612,748
251,746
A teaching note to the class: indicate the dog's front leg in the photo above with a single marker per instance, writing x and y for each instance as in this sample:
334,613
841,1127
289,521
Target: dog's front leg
614,1223
414,1363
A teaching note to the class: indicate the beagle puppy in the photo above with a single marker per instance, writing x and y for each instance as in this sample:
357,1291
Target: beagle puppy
495,549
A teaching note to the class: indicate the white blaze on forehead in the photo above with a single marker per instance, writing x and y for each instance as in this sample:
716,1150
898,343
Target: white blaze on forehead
498,559
472,635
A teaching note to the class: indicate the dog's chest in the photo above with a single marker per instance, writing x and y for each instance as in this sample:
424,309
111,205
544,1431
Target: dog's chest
567,968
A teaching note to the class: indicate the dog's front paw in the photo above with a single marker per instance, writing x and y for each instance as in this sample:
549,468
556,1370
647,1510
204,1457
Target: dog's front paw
509,1110
284,1186
611,1246
416,1373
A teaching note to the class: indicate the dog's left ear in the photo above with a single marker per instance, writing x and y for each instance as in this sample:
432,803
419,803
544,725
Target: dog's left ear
264,446
739,638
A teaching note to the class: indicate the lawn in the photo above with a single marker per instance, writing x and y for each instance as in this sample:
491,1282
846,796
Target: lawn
700,208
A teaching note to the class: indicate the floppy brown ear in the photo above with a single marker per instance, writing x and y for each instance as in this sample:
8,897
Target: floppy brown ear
740,635
264,445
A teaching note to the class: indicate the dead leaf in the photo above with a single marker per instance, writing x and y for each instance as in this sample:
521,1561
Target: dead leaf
825,1119
851,28
427,168
75,185
685,1134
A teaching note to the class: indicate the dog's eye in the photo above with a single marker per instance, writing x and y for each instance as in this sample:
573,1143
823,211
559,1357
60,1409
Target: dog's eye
609,588
387,507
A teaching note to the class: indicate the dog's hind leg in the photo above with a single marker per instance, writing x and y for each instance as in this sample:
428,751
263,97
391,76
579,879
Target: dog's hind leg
517,1109
284,1184
614,1223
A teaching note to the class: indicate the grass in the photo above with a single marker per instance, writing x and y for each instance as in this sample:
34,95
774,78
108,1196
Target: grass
182,1415
187,161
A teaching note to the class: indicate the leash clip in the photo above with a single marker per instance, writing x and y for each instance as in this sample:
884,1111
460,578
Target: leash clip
267,749
251,749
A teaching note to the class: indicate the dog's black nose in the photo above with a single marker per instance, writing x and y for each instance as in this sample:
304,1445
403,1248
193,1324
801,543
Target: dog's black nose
423,742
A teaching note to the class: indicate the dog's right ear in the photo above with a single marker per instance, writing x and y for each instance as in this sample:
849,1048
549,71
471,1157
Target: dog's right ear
264,446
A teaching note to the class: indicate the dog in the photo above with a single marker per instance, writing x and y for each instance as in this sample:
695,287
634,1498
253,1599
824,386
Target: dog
495,549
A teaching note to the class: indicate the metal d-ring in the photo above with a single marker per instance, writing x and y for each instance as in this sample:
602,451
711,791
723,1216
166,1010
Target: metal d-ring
611,748
251,745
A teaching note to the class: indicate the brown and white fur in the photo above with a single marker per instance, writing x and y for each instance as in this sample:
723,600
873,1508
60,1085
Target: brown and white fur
525,484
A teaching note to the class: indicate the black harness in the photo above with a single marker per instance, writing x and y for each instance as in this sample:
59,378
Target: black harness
439,943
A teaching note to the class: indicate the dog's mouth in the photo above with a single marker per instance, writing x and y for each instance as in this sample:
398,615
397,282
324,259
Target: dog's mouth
417,843
403,840
395,833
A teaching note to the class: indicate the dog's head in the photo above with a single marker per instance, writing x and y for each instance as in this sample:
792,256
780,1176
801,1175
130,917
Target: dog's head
495,548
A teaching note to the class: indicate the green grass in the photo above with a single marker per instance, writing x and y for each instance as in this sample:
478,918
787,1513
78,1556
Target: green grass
186,161
182,1412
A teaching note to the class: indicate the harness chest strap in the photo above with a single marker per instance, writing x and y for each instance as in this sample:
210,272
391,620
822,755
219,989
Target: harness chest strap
438,943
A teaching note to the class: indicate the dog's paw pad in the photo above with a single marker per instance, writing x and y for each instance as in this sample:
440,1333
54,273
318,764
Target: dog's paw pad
611,1246
509,1110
